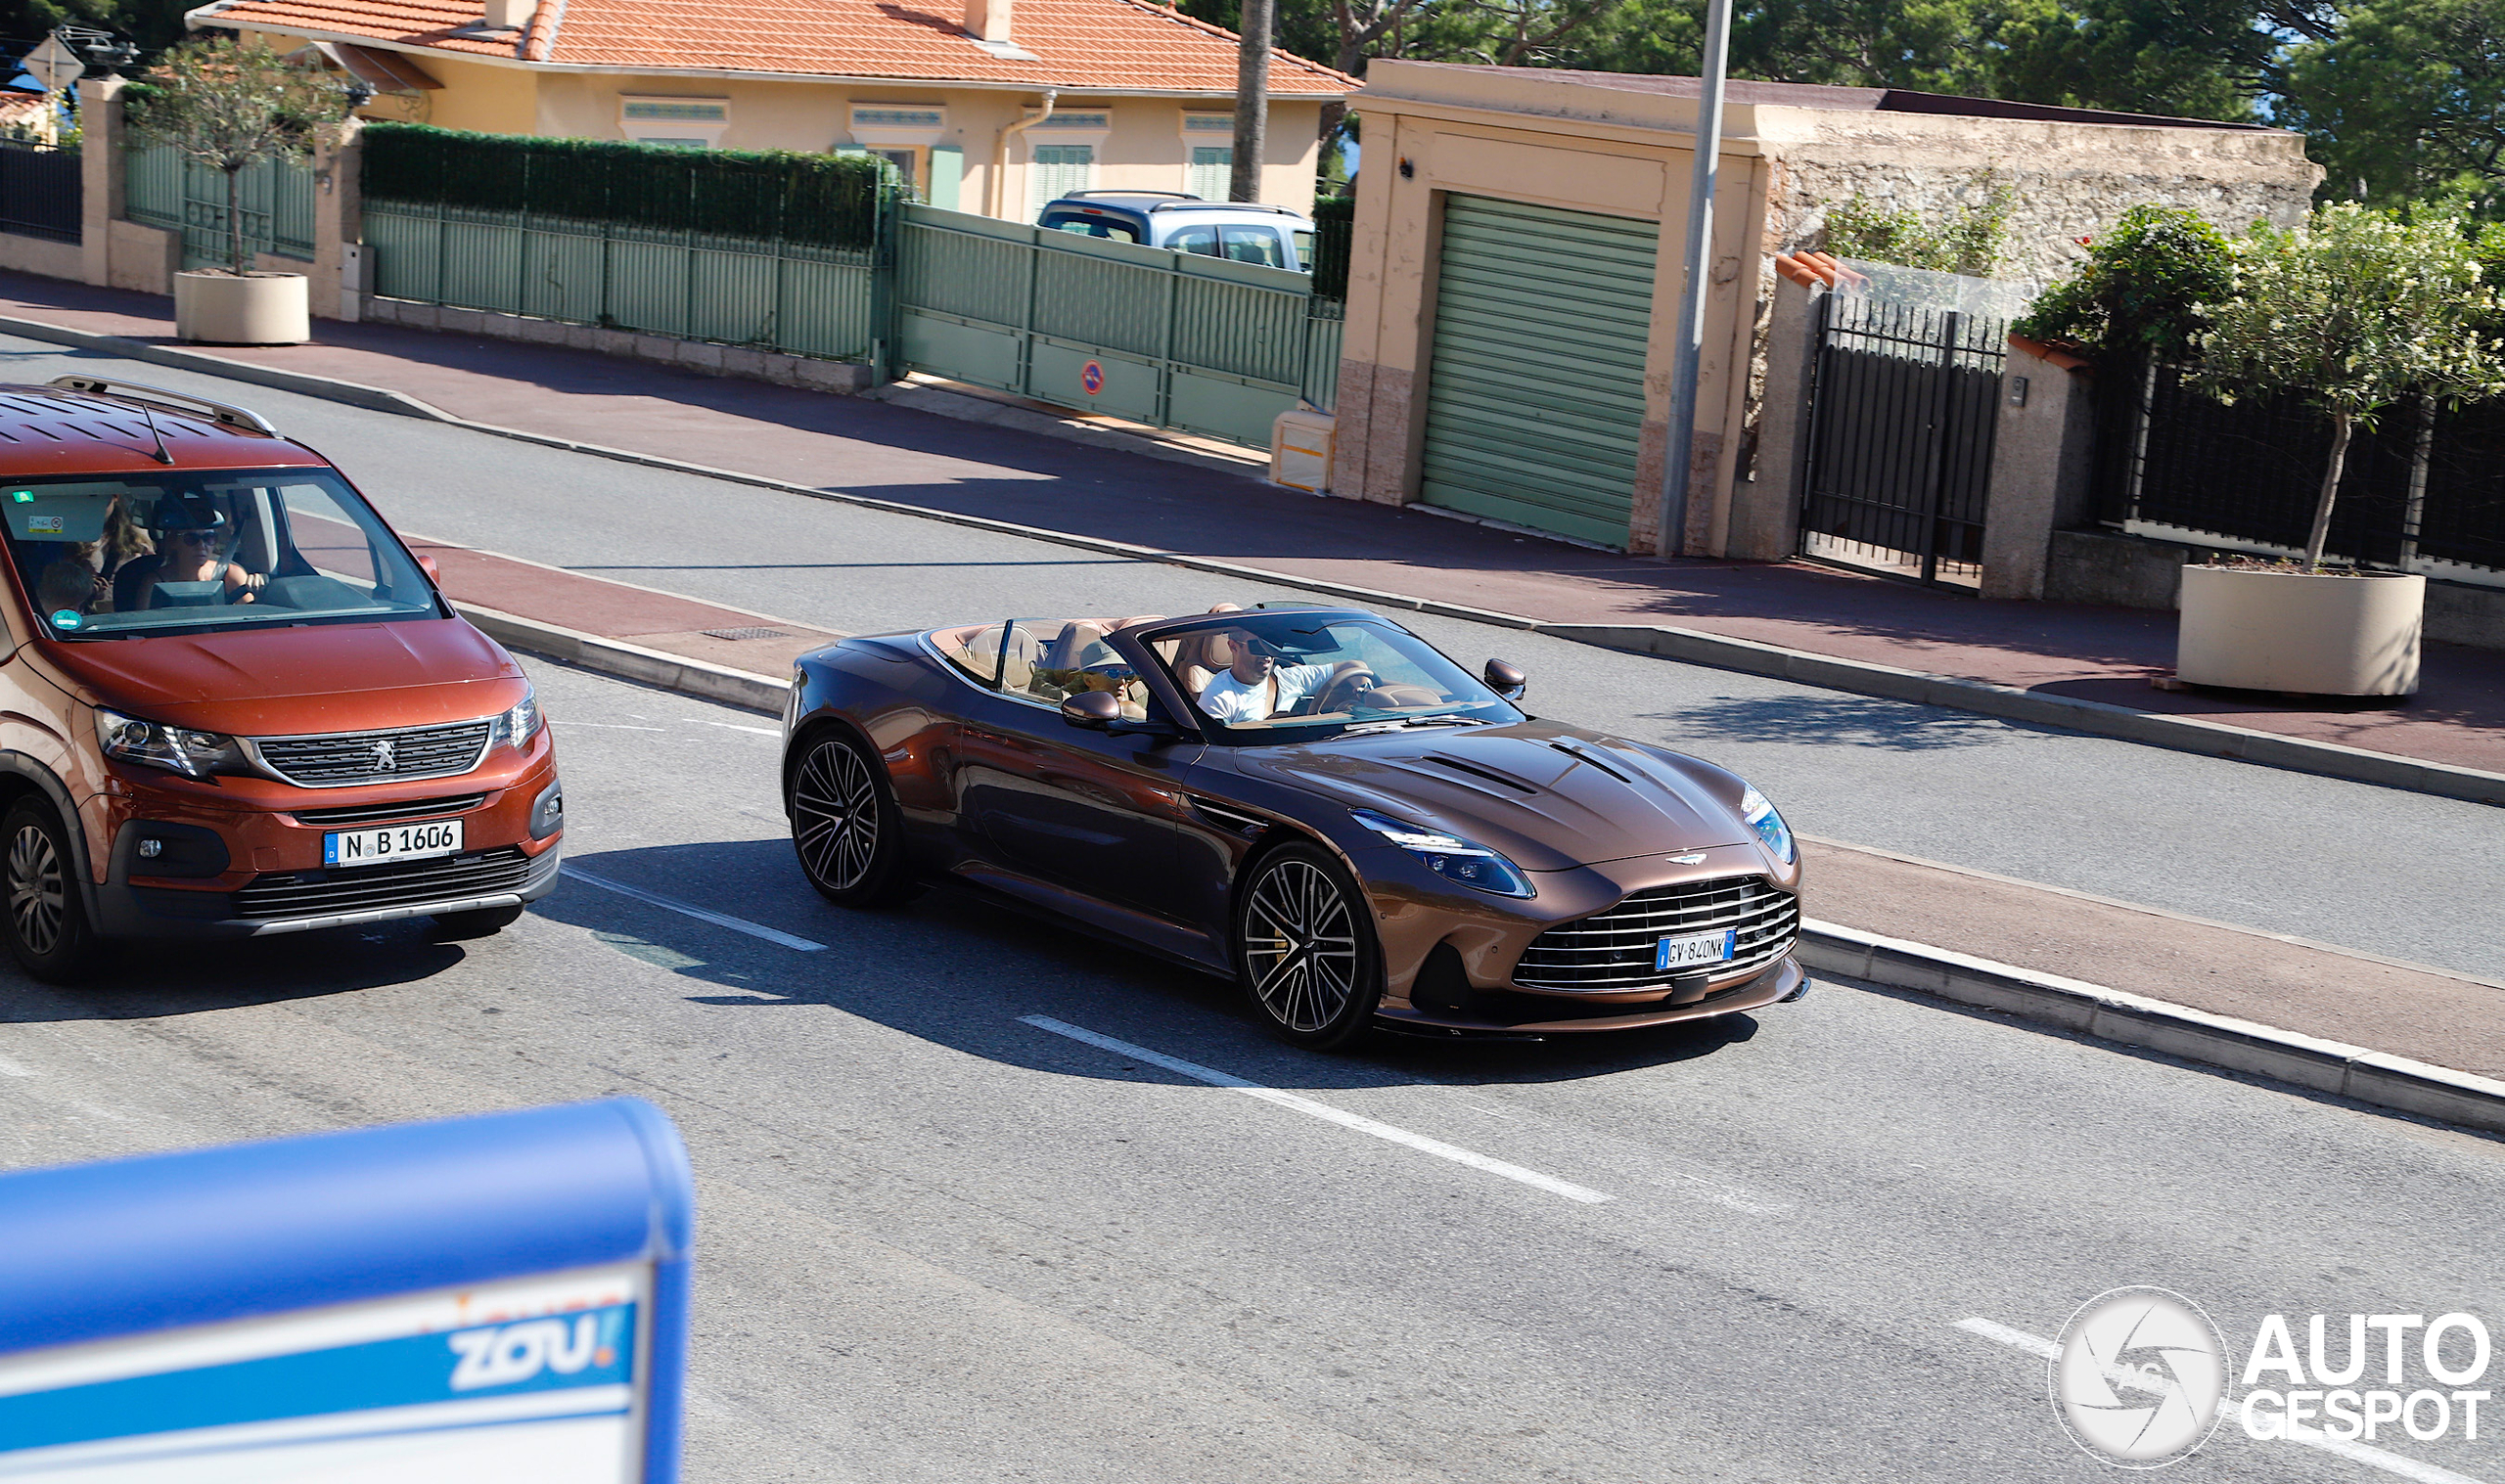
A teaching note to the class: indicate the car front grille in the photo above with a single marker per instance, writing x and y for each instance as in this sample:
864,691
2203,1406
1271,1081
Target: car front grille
1614,949
321,893
344,759
390,814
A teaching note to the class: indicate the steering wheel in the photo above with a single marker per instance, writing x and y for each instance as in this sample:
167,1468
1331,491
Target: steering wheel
1341,691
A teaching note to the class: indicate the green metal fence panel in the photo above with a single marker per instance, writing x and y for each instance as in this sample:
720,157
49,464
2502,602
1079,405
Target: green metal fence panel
273,202
800,298
1171,339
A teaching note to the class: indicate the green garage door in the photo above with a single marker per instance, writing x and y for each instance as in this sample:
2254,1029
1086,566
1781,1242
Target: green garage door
1535,389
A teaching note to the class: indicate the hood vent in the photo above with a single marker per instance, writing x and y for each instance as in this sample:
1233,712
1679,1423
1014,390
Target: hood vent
1482,772
1582,754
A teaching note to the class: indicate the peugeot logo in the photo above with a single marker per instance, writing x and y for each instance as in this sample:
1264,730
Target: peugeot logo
386,756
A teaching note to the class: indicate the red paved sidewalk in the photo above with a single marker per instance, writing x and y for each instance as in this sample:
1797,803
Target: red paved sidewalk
871,448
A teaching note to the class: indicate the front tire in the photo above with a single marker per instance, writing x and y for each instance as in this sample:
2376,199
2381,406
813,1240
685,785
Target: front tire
845,827
47,917
1305,948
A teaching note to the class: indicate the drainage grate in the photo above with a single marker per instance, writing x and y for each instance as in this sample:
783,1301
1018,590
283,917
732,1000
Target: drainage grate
745,634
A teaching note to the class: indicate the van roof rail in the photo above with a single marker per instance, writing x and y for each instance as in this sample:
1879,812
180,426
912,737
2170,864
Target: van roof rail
226,414
1090,195
1195,204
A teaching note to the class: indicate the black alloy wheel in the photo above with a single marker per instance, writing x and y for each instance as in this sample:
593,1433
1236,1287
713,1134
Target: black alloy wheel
845,824
1305,948
48,928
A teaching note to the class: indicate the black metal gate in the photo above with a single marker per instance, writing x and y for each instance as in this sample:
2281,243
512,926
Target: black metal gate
1901,415
41,190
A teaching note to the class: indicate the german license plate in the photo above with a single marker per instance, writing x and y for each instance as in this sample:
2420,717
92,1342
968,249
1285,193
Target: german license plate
391,843
1695,950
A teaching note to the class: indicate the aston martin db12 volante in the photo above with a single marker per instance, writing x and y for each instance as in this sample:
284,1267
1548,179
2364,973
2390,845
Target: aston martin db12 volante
1311,799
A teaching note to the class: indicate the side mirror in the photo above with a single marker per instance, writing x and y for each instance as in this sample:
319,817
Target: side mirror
1096,710
1505,680
426,565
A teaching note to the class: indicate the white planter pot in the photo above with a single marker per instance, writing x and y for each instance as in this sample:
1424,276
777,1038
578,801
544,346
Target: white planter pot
256,309
2300,631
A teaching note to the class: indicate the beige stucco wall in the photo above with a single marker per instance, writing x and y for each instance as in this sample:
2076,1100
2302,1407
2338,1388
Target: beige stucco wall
1618,166
1543,137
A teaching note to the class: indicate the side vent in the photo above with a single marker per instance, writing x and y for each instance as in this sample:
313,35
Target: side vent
1232,821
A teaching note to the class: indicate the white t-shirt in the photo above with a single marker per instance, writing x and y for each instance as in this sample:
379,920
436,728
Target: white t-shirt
1230,700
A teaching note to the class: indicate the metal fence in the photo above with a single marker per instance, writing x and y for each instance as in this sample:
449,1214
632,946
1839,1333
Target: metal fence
2423,491
1902,416
800,298
1170,339
274,202
42,191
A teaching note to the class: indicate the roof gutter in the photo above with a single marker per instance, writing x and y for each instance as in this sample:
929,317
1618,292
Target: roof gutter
1000,151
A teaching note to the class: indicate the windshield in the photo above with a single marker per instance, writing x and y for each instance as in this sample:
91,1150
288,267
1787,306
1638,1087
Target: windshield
193,550
1266,676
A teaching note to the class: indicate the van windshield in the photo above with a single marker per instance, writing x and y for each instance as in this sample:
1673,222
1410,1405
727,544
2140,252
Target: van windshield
193,550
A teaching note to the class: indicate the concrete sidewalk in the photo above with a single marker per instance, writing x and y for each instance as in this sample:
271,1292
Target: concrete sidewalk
861,447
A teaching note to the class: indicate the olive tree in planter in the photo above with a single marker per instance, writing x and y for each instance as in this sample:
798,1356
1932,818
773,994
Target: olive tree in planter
2353,311
231,105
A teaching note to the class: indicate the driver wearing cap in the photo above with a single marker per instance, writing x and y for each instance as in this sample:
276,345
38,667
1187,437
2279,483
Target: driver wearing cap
1257,687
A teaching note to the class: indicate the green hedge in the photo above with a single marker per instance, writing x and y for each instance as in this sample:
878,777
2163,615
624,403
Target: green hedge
1335,222
830,199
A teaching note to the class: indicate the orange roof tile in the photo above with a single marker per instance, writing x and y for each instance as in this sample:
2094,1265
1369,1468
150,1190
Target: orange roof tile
1082,45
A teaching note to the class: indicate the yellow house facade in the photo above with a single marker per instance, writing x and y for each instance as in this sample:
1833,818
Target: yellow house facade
992,109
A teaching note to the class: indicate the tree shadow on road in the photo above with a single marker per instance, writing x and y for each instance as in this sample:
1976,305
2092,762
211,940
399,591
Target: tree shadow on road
960,970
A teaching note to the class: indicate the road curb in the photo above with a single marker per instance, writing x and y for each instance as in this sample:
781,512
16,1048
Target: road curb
631,661
2178,734
2181,733
2375,1078
964,407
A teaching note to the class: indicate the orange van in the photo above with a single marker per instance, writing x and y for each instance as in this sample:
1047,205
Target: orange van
233,702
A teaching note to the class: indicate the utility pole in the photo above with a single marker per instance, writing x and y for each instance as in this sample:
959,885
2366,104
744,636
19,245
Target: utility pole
1252,98
1678,458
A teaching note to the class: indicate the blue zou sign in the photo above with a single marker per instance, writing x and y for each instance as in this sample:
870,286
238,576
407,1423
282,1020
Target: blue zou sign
488,1299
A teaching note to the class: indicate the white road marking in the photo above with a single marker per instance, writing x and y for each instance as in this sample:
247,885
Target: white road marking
1322,1110
9,1068
732,726
2349,1448
689,909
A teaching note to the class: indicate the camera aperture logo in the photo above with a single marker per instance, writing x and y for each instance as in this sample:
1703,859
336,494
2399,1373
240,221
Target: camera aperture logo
2140,1377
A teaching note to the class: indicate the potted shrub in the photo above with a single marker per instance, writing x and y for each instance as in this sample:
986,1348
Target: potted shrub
231,105
2353,311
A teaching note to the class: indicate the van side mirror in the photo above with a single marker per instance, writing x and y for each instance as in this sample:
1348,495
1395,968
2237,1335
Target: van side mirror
1505,680
426,565
1095,710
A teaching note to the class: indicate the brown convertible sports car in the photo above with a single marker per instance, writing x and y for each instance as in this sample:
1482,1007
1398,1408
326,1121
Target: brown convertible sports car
1311,799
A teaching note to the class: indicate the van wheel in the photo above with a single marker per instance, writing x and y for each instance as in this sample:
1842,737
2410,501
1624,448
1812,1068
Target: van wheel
477,923
47,917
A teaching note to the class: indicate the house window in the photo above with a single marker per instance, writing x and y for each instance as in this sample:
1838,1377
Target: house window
1058,169
686,123
1098,121
1212,172
908,162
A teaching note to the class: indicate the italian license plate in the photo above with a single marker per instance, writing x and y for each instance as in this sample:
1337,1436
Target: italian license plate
391,843
1696,951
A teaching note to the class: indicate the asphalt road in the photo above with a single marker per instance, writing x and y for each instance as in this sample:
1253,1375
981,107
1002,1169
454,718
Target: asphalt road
939,1242
2372,868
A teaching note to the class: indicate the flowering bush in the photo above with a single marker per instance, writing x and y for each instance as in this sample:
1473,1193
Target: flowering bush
2143,287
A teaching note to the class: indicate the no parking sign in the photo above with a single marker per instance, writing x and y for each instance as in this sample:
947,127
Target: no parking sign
488,1299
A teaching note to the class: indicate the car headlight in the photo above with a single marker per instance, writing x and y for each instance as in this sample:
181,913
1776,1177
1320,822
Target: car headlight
177,749
521,724
1763,817
1450,856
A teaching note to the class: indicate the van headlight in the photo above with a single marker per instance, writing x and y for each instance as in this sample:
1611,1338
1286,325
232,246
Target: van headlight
523,723
1450,856
176,749
1763,817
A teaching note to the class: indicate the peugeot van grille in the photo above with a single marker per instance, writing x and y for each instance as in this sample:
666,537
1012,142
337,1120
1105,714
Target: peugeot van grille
406,883
390,814
342,759
1614,949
